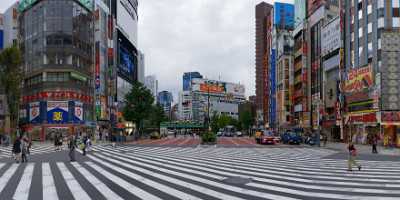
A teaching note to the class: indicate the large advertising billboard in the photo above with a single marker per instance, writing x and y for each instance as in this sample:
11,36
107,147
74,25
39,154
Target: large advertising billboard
359,79
330,37
217,87
57,112
284,15
127,58
34,111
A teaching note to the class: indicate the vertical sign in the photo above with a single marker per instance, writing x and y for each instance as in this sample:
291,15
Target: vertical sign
34,111
78,111
97,66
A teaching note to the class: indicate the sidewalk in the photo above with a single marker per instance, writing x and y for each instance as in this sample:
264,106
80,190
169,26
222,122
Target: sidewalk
363,149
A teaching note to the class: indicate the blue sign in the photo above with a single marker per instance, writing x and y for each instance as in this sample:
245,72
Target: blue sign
272,89
57,112
284,15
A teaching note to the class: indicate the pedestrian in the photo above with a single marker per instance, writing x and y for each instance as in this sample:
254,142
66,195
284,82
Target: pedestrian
88,145
374,144
352,158
101,135
84,145
325,139
24,149
71,146
16,150
29,146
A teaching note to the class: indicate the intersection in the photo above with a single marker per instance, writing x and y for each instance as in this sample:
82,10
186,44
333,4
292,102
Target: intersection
165,172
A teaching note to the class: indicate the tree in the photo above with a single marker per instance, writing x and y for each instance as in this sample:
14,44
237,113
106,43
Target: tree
246,119
138,104
214,122
11,77
157,116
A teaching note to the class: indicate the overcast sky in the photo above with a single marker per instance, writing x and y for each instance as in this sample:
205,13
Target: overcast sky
214,37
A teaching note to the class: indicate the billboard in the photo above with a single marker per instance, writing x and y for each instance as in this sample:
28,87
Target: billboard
330,37
34,111
78,111
57,112
359,79
127,58
217,87
284,15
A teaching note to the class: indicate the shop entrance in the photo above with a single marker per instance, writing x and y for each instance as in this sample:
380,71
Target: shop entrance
51,132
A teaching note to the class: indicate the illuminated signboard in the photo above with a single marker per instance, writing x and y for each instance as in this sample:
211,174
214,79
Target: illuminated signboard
25,4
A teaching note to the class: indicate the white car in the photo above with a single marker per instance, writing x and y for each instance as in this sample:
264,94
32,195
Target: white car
239,134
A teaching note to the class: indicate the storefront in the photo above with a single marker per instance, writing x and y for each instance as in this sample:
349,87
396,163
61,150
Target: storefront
390,127
361,127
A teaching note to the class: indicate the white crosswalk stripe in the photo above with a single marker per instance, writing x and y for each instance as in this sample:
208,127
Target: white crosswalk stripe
37,148
132,172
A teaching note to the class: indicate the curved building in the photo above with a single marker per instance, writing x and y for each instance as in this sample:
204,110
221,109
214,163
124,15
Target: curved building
56,40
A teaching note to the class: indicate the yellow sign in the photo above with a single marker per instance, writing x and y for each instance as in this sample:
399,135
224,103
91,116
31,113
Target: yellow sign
57,116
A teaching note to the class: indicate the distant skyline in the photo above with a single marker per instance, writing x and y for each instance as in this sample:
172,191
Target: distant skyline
215,38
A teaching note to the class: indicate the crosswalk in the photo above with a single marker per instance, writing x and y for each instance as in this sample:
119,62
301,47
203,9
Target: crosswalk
37,148
135,172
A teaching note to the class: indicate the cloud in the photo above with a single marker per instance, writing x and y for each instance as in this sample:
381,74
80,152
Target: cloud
214,37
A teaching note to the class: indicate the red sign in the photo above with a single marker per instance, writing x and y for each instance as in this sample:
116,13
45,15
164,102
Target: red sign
63,95
390,116
371,117
359,79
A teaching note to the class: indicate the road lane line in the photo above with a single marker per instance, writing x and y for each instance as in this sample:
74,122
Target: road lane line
22,191
73,185
49,188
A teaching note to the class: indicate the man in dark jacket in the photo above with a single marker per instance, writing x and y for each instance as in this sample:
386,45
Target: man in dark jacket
17,149
71,146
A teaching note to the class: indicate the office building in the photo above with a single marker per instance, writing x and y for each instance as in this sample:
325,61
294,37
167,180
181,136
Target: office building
151,83
187,79
263,12
165,99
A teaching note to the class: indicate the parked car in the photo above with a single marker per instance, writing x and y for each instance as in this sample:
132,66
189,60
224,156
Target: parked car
239,134
291,137
219,133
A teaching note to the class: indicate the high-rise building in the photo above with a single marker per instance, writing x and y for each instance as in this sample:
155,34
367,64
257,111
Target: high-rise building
151,83
281,66
371,49
187,79
263,13
165,99
57,63
185,105
141,70
80,60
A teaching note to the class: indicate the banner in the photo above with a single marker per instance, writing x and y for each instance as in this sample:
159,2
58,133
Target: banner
78,111
57,112
359,79
212,88
34,111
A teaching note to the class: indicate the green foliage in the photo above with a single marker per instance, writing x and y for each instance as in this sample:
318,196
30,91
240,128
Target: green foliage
11,77
156,117
246,120
209,137
221,121
155,135
138,104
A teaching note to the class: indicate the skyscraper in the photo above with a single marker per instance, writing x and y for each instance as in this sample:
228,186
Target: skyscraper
262,14
187,79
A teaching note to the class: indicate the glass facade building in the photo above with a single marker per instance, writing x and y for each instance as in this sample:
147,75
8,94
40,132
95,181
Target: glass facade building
56,40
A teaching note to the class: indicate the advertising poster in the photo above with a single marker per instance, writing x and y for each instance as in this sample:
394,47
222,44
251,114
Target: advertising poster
216,87
103,104
57,112
34,111
359,79
78,111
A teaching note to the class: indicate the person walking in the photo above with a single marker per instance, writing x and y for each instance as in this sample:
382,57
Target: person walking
17,149
352,158
71,146
84,145
374,144
24,149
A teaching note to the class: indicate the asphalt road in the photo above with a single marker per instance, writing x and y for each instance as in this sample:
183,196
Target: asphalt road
139,172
